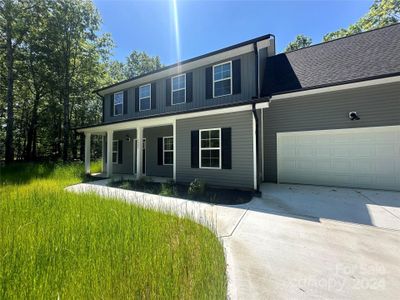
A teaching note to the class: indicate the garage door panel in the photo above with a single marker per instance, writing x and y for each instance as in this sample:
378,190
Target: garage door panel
357,157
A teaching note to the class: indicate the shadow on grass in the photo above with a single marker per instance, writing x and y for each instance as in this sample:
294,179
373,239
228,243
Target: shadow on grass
19,173
24,172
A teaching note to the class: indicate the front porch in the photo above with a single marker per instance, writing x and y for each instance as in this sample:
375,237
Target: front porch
125,158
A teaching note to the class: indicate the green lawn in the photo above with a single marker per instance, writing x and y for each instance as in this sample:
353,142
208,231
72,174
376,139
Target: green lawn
58,244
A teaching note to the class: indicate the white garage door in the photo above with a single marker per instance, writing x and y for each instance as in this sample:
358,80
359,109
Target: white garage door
362,157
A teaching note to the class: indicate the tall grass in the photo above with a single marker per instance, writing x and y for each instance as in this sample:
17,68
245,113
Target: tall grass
58,244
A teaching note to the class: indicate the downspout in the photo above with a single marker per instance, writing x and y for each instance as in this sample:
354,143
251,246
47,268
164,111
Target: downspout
256,122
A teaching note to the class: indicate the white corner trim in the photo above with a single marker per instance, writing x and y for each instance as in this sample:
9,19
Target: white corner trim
337,88
254,154
262,144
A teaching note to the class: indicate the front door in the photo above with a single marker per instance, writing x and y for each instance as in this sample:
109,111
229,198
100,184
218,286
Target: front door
143,156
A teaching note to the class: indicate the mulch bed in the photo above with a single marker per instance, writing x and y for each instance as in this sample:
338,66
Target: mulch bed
211,195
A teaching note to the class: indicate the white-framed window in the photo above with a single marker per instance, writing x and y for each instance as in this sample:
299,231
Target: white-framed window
178,89
168,150
210,148
222,79
118,103
115,150
145,97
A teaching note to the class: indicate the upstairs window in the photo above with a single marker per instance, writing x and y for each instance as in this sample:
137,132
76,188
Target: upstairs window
168,150
222,79
210,148
145,97
118,103
178,89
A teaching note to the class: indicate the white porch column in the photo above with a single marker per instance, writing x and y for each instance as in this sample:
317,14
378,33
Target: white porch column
109,152
139,152
174,153
87,152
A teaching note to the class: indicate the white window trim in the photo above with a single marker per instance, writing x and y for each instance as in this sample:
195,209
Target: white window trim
168,137
230,78
172,89
211,148
140,98
117,151
118,104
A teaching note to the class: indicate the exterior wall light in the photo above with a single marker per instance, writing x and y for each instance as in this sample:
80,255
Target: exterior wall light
353,116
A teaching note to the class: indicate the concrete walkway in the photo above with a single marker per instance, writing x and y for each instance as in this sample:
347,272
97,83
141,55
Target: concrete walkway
273,254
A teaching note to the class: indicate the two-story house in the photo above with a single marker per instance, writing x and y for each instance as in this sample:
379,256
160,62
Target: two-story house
327,114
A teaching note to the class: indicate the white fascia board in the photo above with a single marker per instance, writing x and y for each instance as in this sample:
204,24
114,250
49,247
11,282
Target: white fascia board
163,120
337,88
263,44
181,68
262,105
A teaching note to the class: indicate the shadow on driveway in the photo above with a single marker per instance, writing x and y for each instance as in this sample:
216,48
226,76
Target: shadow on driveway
368,207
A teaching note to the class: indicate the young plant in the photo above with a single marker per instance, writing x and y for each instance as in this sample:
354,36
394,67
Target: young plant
196,188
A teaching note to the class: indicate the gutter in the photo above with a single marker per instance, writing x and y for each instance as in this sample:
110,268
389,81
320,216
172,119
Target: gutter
256,122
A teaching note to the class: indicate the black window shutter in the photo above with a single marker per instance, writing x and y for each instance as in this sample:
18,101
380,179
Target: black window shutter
160,150
209,83
237,89
153,95
137,99
125,102
120,151
168,91
112,105
195,149
189,87
226,141
104,109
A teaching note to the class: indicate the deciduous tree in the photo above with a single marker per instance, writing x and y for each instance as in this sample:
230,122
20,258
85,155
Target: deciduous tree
301,41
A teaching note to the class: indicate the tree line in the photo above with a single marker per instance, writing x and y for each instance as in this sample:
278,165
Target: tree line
381,13
52,59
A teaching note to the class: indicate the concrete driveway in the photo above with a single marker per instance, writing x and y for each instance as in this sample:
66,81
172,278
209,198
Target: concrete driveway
312,242
298,241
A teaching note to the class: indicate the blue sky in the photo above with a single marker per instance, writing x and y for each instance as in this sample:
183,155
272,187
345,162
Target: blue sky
208,25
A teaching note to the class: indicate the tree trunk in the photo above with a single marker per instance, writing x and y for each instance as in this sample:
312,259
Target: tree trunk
66,92
66,128
10,97
82,143
34,145
32,128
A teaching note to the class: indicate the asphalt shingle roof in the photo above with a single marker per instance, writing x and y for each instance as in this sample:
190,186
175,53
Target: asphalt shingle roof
359,57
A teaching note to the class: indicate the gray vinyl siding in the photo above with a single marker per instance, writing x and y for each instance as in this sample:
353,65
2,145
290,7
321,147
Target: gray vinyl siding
248,90
152,167
241,174
375,105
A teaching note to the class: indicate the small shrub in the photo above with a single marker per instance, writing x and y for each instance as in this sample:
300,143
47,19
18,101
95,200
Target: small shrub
126,184
141,182
196,188
168,189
